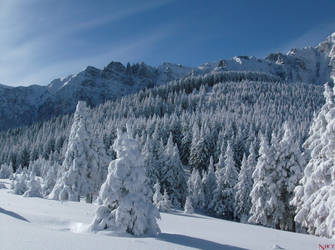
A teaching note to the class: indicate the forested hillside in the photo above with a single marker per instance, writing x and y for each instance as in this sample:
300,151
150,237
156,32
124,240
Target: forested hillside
232,106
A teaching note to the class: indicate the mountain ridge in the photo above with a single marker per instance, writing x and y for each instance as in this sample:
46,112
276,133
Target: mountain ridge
21,106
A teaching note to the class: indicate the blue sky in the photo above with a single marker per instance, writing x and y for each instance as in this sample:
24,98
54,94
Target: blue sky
45,39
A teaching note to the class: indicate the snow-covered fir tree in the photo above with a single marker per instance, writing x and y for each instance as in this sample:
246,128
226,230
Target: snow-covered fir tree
173,175
278,171
39,166
81,171
186,144
5,171
289,170
209,183
153,157
315,194
49,178
158,197
200,150
19,184
260,194
217,204
195,189
166,203
243,189
126,195
188,208
230,180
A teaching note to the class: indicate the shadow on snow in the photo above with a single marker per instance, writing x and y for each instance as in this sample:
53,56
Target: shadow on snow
13,214
176,212
194,242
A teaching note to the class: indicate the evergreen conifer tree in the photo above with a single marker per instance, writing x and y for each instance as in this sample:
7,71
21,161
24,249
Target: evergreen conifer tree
126,195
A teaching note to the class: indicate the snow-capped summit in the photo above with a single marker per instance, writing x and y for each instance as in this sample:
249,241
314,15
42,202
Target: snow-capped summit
328,47
23,105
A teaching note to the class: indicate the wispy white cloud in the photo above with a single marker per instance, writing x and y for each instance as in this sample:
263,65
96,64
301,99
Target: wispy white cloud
311,37
115,16
28,44
125,51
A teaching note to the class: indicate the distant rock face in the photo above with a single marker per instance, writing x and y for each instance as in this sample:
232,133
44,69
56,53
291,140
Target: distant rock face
21,106
328,48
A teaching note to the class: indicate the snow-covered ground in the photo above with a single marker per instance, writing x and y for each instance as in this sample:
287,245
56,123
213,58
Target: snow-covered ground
34,223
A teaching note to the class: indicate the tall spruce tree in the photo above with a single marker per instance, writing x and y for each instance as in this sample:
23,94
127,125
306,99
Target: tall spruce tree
195,189
173,176
230,180
217,204
81,173
260,194
315,194
209,183
243,189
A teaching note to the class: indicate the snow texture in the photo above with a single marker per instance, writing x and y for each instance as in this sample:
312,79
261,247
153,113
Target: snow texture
34,223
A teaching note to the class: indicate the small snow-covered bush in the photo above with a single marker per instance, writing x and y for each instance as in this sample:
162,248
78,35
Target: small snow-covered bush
162,202
49,179
5,171
188,208
33,187
19,184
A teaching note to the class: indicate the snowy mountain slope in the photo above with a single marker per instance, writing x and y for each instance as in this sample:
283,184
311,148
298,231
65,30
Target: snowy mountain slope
34,223
314,65
24,105
20,105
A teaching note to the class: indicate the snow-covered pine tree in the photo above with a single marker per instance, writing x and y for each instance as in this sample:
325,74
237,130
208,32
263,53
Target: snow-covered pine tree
186,142
158,197
102,159
5,171
40,166
217,204
19,170
80,170
166,205
19,184
126,195
243,189
188,208
173,176
49,178
281,175
252,158
192,159
289,168
245,176
153,157
199,155
219,146
315,195
209,183
230,180
195,189
260,194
